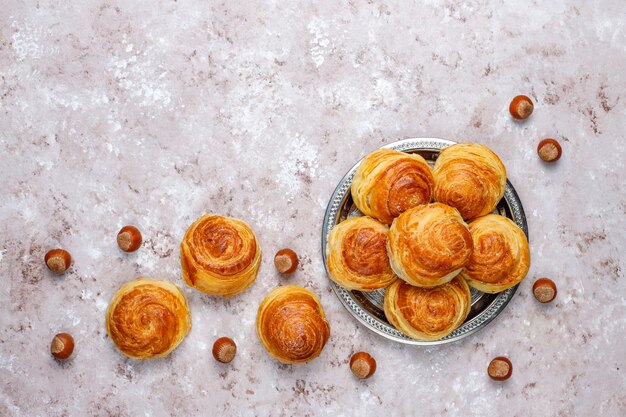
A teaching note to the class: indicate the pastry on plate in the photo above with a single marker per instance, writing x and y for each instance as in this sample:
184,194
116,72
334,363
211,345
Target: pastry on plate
148,318
291,325
427,313
220,255
501,257
389,182
470,178
356,254
429,245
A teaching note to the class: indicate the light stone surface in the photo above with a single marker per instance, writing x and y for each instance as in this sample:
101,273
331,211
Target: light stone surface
153,113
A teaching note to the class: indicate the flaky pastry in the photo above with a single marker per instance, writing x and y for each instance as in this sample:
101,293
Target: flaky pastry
427,313
356,254
470,178
389,182
220,255
501,257
291,325
148,318
429,245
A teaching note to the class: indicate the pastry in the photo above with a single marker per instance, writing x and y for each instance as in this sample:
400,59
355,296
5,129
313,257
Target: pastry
427,313
220,255
428,245
291,325
470,178
389,182
501,258
357,254
148,318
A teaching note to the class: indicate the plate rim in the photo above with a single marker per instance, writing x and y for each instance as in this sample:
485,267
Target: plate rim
480,321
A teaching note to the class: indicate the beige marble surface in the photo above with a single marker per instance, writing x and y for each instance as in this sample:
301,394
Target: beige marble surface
153,113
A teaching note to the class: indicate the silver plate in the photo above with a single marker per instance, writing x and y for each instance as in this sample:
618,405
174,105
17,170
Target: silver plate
367,307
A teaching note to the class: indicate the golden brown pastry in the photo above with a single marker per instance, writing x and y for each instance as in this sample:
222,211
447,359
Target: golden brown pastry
356,254
501,258
427,313
220,255
428,245
469,177
389,182
291,324
148,318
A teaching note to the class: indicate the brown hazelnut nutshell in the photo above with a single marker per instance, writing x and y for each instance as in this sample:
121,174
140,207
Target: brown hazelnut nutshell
62,346
129,238
549,150
58,260
521,107
500,368
544,290
224,349
286,261
363,365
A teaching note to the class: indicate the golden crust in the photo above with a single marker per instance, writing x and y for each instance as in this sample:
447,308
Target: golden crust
356,254
148,318
470,178
429,245
220,255
501,257
427,313
389,182
291,325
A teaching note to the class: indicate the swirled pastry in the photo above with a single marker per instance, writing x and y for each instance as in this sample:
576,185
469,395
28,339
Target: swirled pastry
470,178
429,245
148,318
291,325
501,258
390,182
427,313
220,255
356,254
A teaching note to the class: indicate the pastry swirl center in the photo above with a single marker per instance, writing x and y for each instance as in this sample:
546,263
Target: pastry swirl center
364,251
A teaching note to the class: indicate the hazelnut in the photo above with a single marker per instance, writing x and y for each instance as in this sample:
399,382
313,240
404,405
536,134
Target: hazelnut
286,261
129,239
500,368
224,349
521,107
544,290
62,346
362,365
549,150
58,260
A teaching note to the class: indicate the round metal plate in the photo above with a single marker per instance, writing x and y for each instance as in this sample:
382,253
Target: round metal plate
367,307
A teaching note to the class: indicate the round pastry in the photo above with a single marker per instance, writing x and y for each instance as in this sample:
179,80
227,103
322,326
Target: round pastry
291,325
501,258
148,318
389,182
427,313
220,255
470,178
429,245
357,254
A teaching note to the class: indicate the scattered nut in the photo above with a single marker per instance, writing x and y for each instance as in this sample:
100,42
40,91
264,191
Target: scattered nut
62,346
362,365
544,290
549,150
286,261
58,260
129,239
224,349
500,368
521,107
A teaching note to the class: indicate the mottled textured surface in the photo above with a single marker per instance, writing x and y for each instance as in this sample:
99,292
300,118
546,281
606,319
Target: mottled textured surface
155,113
